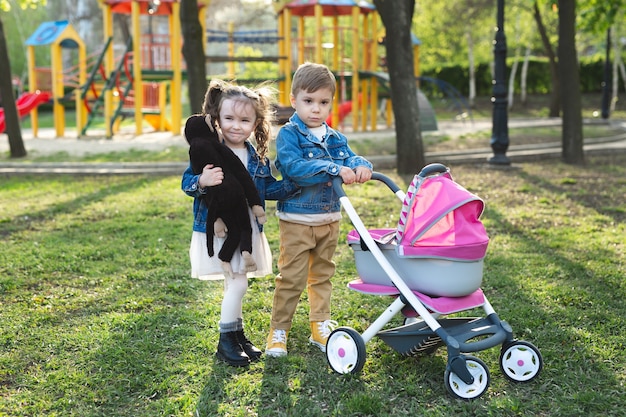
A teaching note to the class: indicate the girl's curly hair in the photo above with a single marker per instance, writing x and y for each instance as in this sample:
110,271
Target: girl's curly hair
261,97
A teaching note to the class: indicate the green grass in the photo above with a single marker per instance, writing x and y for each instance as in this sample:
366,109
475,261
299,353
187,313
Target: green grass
98,315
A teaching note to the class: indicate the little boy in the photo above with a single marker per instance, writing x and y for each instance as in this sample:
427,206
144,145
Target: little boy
311,154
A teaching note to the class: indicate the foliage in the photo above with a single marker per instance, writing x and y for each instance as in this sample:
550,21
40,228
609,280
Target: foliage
7,5
436,24
538,80
260,71
99,317
20,19
444,27
598,15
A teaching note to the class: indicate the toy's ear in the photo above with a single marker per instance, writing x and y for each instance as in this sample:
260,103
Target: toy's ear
196,127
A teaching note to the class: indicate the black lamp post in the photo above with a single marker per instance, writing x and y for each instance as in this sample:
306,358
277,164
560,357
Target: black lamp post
500,128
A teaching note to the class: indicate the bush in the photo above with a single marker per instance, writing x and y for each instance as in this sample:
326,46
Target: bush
538,78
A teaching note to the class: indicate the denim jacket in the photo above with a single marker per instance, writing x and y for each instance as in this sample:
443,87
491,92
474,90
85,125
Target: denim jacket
312,164
269,187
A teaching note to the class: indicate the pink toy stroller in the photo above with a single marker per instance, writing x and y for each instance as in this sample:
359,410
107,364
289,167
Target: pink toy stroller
432,266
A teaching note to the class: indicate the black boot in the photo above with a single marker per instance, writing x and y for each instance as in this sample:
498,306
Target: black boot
252,351
230,351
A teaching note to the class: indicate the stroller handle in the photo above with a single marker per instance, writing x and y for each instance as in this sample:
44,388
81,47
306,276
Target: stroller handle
338,183
434,168
430,169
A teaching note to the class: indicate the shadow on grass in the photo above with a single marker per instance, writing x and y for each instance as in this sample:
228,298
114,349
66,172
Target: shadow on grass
598,187
555,301
32,219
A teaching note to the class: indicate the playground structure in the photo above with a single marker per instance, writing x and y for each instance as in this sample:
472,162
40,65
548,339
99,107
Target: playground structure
362,30
355,62
47,84
344,35
232,38
128,88
146,79
26,103
141,83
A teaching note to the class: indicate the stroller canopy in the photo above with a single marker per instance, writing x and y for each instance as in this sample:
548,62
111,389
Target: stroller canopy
441,219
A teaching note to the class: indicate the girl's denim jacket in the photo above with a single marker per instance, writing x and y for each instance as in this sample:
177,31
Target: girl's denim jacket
312,164
269,187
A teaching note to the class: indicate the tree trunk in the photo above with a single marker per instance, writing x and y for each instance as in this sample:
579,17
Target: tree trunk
512,76
121,20
555,96
471,67
615,76
606,82
397,16
11,118
193,51
572,134
524,76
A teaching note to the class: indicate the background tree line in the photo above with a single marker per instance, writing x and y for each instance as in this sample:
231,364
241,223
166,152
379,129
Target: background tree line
538,80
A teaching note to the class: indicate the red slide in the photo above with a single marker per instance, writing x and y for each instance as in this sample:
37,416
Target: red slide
25,103
345,108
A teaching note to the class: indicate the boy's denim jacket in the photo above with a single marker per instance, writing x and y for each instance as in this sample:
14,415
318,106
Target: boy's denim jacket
269,187
312,164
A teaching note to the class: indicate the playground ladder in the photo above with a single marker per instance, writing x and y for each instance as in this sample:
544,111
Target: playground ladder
111,82
94,71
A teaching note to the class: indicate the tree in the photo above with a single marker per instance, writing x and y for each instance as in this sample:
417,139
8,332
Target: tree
600,17
16,143
193,51
473,11
397,16
571,102
555,95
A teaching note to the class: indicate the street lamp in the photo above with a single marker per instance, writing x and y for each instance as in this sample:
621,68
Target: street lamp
500,128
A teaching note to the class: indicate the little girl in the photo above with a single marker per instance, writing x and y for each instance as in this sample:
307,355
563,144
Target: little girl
238,113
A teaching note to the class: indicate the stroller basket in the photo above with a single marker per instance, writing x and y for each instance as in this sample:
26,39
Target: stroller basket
439,244
428,275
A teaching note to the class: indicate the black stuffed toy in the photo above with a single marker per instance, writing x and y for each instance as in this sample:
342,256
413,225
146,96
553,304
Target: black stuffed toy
229,200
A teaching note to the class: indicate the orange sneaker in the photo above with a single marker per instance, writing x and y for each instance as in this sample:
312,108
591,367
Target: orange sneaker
276,343
320,330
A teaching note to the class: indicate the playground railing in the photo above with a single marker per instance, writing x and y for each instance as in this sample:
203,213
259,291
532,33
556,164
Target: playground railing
44,78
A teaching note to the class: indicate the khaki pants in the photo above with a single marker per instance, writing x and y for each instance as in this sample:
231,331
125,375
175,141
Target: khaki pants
305,260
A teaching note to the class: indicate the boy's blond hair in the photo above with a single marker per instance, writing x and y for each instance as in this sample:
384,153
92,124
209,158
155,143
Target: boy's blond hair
311,77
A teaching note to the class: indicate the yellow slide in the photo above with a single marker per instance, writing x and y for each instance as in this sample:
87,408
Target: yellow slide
158,122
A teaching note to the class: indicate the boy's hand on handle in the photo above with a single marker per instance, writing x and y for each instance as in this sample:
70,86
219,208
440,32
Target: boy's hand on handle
363,174
259,213
210,176
347,175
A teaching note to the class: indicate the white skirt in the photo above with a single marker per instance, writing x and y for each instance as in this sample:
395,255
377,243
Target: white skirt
206,268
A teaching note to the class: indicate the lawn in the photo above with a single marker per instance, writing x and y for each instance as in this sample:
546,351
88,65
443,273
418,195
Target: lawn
98,315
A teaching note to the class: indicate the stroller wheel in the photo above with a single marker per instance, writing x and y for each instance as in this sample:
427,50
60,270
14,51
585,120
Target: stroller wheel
460,389
345,351
520,361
